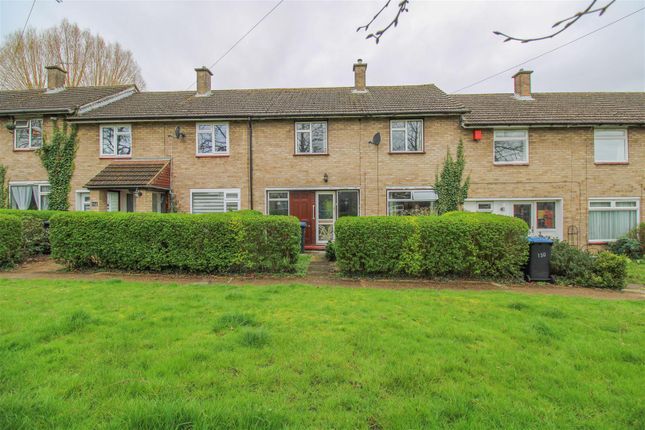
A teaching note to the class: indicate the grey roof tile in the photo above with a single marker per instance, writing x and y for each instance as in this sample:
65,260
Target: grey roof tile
15,101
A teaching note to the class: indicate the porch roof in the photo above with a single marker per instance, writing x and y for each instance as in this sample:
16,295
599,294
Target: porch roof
133,174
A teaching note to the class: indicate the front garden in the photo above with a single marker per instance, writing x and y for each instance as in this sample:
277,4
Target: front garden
122,355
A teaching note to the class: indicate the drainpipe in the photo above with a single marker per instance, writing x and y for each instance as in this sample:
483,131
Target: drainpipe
250,163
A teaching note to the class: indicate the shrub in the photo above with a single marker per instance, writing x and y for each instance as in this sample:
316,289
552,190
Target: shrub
35,233
454,244
631,245
330,251
574,266
10,240
212,243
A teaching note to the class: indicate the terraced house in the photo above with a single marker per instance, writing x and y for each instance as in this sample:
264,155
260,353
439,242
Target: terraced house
570,164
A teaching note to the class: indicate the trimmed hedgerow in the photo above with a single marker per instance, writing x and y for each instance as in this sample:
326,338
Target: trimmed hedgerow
213,243
455,244
10,240
35,237
571,265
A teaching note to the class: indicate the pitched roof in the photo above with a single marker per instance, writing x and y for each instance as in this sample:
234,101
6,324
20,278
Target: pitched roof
133,174
288,102
554,109
64,101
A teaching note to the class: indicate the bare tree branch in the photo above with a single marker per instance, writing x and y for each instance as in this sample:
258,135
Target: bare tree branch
403,7
88,59
568,22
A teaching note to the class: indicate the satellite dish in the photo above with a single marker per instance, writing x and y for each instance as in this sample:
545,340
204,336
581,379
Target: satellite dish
376,139
178,133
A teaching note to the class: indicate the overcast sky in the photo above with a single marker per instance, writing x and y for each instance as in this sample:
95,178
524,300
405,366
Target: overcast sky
314,43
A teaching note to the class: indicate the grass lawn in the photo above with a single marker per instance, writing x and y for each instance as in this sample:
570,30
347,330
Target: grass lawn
127,355
636,272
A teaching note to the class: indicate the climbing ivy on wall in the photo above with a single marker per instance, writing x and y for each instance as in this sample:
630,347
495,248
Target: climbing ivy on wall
57,157
451,189
3,190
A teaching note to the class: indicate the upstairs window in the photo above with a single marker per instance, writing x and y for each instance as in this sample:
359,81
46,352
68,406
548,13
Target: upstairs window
610,146
28,134
116,141
212,139
406,135
511,147
311,137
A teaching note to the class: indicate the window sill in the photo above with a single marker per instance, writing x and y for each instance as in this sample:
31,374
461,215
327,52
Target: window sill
315,154
510,164
115,157
405,152
611,163
600,242
24,149
211,155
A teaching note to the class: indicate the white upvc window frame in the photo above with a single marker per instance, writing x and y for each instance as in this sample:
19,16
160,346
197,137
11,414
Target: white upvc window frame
280,199
213,126
612,207
405,129
598,137
227,200
496,137
311,142
40,193
116,134
29,126
411,199
79,201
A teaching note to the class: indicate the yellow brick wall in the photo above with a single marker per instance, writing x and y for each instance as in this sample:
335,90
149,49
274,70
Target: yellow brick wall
23,165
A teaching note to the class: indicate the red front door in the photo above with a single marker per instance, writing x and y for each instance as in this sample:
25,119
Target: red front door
301,205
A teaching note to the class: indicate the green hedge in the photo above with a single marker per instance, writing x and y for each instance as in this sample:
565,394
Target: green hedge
35,237
455,244
10,240
574,266
213,243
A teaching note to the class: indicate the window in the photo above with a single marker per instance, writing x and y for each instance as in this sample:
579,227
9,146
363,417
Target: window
311,138
411,202
116,141
278,202
484,207
610,219
159,202
610,146
545,215
212,139
511,147
83,202
28,134
218,200
406,135
33,196
347,203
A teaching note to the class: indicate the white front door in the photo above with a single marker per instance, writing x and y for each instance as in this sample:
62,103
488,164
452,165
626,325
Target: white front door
325,216
113,201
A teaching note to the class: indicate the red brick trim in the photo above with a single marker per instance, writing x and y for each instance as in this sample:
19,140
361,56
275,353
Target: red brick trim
611,163
405,152
317,154
212,155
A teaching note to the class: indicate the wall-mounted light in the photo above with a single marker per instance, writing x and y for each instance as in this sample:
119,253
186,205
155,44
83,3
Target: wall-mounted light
325,178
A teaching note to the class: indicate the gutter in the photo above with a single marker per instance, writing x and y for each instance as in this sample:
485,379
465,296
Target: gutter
554,125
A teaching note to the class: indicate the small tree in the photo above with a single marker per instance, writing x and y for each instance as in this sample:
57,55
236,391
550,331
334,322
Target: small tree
57,157
448,184
3,190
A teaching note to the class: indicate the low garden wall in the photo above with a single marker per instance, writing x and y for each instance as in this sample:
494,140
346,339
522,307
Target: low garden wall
10,240
212,243
457,244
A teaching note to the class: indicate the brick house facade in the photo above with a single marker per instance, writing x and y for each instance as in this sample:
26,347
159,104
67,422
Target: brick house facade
312,153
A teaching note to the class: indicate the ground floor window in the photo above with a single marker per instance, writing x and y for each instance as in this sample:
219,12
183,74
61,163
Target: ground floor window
214,200
32,195
411,202
542,216
611,219
83,202
278,202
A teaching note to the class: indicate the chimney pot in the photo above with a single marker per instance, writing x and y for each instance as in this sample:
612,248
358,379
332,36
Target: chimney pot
203,81
523,83
56,77
359,76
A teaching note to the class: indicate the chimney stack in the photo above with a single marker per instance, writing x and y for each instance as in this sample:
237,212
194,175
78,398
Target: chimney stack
203,81
56,77
523,83
359,76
